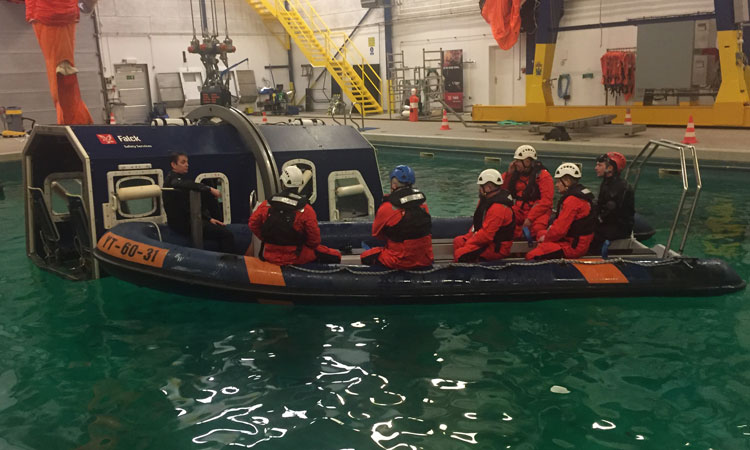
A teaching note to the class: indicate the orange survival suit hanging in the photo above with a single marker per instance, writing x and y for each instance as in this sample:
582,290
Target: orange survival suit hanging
54,23
504,17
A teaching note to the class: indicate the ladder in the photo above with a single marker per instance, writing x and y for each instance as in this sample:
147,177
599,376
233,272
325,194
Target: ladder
401,81
434,83
325,48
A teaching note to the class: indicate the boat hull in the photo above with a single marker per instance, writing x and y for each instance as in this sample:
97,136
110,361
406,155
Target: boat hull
133,253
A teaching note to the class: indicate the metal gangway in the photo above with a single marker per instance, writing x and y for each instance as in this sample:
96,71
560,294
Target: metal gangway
633,171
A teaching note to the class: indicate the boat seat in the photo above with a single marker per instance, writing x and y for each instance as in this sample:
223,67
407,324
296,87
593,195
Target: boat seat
81,235
48,232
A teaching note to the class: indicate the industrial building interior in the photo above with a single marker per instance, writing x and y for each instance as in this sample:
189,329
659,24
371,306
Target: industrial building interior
141,304
359,59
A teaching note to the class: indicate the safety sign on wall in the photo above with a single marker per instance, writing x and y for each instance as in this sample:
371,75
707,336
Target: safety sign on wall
453,74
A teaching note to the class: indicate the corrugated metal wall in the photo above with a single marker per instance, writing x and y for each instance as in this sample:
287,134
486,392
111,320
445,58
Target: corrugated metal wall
585,12
23,78
577,12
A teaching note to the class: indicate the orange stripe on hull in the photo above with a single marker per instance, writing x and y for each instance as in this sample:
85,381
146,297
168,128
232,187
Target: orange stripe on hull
601,273
133,251
261,272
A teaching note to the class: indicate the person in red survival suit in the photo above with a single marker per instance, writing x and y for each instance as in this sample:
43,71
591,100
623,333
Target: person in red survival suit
491,236
404,222
54,23
571,233
288,226
533,190
413,106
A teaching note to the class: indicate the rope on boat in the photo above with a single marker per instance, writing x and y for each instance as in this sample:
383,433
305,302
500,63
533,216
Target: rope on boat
358,270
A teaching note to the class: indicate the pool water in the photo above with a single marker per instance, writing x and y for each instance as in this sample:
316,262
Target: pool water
108,365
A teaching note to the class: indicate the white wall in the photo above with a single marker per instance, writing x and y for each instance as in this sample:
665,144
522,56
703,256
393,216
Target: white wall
578,53
158,32
457,24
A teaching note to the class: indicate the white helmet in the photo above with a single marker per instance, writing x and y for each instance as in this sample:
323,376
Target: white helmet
525,151
568,168
291,177
490,176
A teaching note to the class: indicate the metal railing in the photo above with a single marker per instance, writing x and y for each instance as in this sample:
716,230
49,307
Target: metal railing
361,113
634,170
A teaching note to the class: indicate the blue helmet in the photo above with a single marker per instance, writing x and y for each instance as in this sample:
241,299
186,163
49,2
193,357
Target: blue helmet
404,174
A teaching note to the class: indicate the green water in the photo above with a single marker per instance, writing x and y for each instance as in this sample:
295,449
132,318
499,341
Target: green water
107,365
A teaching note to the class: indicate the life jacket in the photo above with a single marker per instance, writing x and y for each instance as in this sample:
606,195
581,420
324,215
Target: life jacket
585,225
504,233
618,72
416,222
278,229
531,192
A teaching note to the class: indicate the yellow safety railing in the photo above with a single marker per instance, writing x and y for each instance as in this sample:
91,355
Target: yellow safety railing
304,24
337,46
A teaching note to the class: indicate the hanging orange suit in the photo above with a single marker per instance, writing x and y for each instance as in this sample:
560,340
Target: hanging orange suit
504,17
54,23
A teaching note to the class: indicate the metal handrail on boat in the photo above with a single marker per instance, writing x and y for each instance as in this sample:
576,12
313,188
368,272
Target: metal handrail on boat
636,165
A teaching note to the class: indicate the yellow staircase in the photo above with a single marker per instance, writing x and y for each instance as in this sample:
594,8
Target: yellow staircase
325,48
269,20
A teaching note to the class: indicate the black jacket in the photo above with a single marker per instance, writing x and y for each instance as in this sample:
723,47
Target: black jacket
177,202
615,209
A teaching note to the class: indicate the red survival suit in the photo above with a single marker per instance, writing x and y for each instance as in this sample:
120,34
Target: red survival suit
54,23
288,227
413,108
571,233
491,237
533,194
404,222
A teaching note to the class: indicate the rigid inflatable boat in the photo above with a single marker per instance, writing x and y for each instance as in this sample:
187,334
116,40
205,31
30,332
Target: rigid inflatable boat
135,252
94,207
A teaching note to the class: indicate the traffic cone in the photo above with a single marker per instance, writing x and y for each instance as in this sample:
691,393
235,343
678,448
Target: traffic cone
112,120
690,133
265,119
445,126
628,118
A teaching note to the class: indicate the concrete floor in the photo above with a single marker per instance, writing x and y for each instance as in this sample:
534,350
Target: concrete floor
730,147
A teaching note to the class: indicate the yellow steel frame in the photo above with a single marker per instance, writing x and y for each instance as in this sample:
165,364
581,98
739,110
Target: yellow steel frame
731,108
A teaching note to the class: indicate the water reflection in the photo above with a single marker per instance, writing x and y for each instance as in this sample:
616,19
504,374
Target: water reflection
106,365
356,386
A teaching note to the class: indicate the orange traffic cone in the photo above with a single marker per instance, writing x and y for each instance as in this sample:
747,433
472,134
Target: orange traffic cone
628,118
112,120
690,133
265,119
445,126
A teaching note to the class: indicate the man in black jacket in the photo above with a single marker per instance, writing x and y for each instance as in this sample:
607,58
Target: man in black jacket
177,204
616,201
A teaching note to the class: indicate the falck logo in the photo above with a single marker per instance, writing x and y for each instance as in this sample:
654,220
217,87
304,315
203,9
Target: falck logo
106,139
